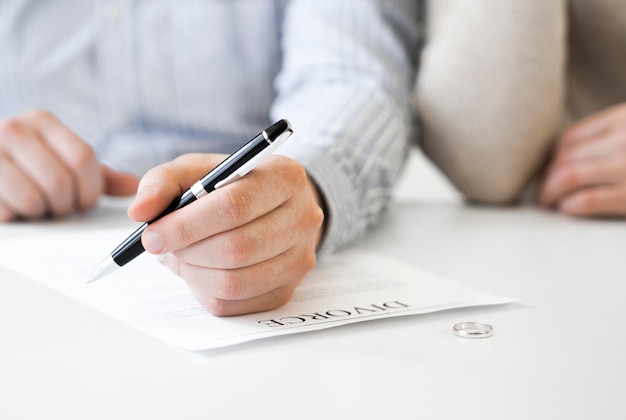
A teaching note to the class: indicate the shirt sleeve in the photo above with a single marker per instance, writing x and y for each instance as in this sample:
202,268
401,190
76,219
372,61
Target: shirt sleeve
348,69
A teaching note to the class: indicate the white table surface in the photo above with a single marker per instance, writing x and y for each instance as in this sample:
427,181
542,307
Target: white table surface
558,354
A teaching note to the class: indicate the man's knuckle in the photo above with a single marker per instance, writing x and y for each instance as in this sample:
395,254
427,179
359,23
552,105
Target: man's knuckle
314,219
234,251
184,227
296,170
229,286
233,205
9,128
30,202
82,157
57,183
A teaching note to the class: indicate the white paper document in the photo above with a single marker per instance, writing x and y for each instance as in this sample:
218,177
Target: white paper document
348,287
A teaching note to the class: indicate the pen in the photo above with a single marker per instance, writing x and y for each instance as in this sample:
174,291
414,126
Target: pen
231,169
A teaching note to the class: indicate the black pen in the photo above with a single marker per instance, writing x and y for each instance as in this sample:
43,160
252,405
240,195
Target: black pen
231,169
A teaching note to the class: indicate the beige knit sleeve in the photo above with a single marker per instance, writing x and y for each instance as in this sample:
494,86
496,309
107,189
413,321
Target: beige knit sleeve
489,91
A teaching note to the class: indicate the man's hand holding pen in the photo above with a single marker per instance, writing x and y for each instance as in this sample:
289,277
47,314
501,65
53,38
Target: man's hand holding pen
242,248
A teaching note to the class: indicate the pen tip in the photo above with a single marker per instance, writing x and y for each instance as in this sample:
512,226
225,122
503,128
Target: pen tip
106,267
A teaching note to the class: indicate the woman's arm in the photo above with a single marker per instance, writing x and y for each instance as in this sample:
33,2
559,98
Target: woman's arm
489,92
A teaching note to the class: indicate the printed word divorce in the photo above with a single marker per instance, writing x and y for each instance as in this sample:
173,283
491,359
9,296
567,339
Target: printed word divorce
334,314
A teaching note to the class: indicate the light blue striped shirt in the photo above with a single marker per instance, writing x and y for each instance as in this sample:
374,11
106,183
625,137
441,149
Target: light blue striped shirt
144,81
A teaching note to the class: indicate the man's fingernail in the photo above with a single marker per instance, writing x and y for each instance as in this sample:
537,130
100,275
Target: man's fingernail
152,242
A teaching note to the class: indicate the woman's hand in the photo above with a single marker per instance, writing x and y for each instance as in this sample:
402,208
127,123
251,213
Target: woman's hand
587,176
